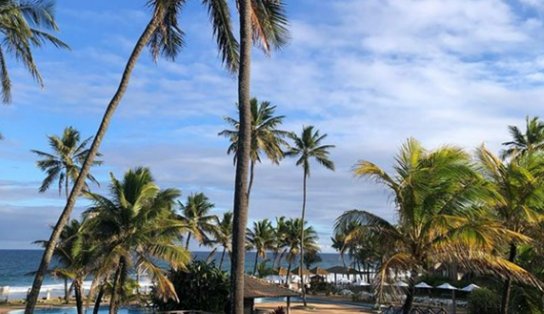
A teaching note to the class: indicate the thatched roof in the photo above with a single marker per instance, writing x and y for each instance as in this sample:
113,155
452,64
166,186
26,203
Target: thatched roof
319,271
342,270
258,288
305,271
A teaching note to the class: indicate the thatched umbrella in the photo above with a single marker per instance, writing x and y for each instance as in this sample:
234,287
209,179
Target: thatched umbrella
258,288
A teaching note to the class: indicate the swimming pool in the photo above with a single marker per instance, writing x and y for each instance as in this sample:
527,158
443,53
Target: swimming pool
72,310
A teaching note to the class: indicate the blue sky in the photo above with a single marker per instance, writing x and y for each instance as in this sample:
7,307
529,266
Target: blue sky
369,73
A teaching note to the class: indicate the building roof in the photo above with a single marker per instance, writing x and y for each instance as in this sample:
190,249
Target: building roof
258,288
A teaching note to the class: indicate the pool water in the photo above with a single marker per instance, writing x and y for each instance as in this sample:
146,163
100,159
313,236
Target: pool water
72,310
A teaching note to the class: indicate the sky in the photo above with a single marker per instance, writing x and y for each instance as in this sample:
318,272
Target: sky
369,73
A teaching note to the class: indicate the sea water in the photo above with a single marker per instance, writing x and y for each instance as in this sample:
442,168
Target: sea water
17,269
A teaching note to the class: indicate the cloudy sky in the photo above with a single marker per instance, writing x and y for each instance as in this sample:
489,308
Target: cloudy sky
369,73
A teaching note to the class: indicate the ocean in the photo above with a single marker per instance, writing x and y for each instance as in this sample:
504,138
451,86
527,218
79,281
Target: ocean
17,267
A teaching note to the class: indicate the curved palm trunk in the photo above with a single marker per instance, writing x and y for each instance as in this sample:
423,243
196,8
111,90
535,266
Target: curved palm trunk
251,177
66,291
407,307
117,285
222,258
255,265
240,211
78,291
508,282
288,273
93,150
94,284
187,241
98,300
302,239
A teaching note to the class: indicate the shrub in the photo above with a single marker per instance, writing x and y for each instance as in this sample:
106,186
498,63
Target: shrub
279,310
202,287
483,301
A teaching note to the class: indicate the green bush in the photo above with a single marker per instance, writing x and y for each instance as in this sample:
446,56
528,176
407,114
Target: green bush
483,301
202,287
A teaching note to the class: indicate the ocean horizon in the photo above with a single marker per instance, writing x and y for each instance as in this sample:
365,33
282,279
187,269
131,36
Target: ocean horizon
18,265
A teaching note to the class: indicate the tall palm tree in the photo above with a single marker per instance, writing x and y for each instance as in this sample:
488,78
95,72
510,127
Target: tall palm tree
523,143
436,196
64,164
164,37
195,214
25,24
518,188
260,238
265,137
137,227
308,147
263,21
224,235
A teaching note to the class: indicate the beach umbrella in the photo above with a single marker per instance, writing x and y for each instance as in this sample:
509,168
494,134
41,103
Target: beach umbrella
447,286
470,288
401,283
423,285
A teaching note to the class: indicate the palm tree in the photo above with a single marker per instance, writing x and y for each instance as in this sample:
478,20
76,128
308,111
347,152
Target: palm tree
295,244
278,246
518,190
523,143
265,137
64,164
264,21
260,238
164,37
223,234
195,214
137,227
25,24
63,253
436,195
307,147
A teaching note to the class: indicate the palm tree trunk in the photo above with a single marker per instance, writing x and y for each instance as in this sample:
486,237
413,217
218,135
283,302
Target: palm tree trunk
187,241
302,238
508,282
93,150
288,272
79,295
407,307
222,257
255,265
66,291
94,283
240,211
116,285
98,300
251,176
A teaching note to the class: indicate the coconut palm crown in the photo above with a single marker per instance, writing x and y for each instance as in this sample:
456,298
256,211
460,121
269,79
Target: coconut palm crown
266,138
531,140
64,163
437,197
195,214
25,24
137,227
